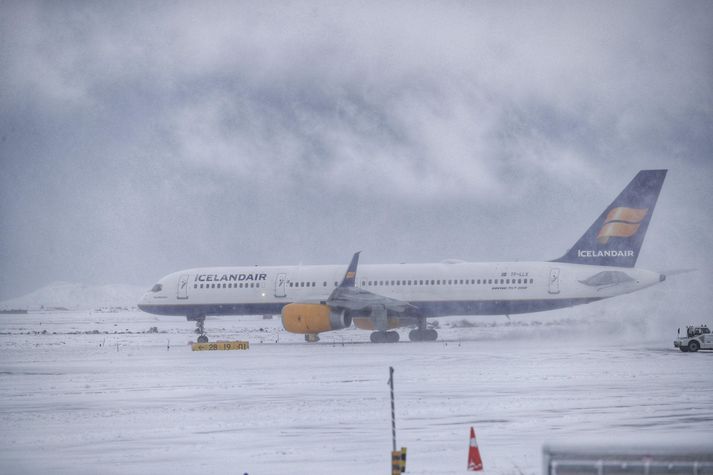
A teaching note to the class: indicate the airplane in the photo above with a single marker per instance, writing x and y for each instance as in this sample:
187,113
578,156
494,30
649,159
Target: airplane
381,298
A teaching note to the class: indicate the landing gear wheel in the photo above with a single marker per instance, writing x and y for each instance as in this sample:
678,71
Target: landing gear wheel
384,337
423,335
693,346
200,326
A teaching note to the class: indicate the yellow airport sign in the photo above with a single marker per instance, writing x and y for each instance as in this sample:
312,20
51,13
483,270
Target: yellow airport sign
221,345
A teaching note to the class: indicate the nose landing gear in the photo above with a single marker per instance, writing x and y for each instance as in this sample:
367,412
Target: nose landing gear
200,327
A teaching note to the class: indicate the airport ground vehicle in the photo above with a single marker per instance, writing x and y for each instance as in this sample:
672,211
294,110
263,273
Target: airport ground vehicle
696,338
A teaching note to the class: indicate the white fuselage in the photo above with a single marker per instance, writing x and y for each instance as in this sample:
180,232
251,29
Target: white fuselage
457,288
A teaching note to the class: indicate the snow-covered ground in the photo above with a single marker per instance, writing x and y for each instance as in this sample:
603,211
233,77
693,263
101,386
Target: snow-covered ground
84,392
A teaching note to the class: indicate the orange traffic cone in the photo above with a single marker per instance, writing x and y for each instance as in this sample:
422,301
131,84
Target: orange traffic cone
475,463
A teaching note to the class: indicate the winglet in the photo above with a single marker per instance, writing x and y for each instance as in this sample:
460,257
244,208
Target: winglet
350,276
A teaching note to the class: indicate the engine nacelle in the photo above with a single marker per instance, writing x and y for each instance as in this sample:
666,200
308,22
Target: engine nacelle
313,318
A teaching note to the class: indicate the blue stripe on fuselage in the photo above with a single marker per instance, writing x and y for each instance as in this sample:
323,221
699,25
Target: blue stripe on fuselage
428,309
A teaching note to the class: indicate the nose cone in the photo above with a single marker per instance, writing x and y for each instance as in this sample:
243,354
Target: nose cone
147,301
143,301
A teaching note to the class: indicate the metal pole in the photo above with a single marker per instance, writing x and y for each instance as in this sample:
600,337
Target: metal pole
393,412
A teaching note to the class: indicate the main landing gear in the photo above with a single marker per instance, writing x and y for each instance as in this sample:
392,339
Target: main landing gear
422,333
200,327
384,337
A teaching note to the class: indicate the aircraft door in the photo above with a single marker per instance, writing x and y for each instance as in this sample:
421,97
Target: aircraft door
281,285
183,287
554,286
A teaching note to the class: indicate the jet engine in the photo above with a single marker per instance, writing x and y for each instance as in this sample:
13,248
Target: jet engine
313,318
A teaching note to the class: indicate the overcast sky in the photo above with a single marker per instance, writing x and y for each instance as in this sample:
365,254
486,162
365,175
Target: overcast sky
137,139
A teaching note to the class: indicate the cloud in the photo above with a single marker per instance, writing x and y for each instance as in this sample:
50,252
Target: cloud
155,128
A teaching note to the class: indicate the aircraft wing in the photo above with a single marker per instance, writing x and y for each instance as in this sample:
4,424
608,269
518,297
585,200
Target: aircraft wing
348,296
354,298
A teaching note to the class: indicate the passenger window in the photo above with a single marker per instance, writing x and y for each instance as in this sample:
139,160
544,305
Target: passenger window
325,284
532,281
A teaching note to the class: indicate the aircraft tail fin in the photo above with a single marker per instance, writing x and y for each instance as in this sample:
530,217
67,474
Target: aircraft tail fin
615,238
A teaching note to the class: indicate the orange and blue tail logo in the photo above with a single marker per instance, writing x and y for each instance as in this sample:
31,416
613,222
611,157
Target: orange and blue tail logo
621,222
615,238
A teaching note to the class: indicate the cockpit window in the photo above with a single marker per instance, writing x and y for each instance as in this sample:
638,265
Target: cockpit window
156,288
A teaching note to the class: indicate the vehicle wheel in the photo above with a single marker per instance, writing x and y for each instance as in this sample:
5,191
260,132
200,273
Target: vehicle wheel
431,335
202,339
684,349
693,346
392,337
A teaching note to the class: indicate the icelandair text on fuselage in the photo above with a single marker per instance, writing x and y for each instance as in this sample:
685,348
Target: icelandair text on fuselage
581,253
229,277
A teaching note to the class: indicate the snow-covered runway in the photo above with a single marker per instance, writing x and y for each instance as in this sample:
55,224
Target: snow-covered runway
84,392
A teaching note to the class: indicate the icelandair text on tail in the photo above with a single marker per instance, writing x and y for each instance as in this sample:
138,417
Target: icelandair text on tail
581,253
